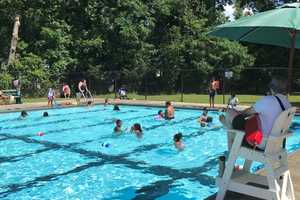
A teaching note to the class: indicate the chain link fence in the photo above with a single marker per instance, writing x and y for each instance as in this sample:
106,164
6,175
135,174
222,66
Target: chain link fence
250,81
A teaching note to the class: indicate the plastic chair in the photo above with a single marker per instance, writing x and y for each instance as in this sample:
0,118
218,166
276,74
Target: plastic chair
277,184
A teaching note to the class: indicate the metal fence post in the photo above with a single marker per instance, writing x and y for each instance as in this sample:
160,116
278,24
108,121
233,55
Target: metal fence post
223,86
146,87
115,87
181,76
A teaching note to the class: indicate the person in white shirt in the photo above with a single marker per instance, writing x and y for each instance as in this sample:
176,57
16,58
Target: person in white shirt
233,101
268,107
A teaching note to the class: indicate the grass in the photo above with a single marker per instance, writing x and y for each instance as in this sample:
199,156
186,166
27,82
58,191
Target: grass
191,98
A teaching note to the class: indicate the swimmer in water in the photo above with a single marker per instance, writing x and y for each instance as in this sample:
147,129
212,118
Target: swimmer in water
177,141
23,115
204,119
160,115
45,114
89,103
106,102
116,107
118,127
137,130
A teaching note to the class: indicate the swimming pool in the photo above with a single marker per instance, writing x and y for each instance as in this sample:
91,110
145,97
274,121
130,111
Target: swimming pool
70,161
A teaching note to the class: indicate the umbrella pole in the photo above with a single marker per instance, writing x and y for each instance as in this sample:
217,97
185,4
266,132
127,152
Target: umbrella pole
291,60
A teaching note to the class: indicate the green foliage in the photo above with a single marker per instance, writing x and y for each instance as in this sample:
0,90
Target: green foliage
5,80
33,73
124,40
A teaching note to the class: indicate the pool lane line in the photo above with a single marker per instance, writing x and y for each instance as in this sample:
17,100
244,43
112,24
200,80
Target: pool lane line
153,145
16,158
106,123
162,187
58,114
156,170
86,126
107,159
70,113
39,181
140,149
50,122
170,123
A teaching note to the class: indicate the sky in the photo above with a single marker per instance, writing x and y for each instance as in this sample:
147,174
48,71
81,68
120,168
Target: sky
229,9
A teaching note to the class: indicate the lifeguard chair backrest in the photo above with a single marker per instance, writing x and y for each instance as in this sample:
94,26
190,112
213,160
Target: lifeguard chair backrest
280,128
283,122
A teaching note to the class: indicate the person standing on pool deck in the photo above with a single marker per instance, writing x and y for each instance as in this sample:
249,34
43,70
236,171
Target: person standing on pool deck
66,90
211,93
82,87
51,96
169,112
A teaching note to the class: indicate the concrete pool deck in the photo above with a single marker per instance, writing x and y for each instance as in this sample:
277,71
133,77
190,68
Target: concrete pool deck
294,163
294,158
43,105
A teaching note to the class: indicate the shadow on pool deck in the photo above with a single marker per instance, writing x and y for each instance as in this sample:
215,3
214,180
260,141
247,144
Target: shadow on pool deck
294,163
233,196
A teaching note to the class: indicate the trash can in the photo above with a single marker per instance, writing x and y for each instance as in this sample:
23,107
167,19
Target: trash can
18,100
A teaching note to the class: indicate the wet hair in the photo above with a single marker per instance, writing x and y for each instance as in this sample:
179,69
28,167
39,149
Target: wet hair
118,121
137,127
45,114
168,103
209,119
177,137
116,107
160,112
24,113
202,124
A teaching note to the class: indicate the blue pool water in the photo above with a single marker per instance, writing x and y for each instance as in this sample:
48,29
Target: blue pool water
71,162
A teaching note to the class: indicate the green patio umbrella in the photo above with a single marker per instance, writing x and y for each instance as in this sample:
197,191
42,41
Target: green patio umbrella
279,27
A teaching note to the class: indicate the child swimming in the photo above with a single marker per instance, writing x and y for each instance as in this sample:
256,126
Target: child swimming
137,130
116,107
118,127
160,115
23,115
45,114
177,141
204,119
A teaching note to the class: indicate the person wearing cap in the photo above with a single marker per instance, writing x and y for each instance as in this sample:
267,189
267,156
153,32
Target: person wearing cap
268,108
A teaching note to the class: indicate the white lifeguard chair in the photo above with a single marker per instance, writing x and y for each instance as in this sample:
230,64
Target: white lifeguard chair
277,184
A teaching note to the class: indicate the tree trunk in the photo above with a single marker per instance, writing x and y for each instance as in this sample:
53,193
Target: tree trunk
14,41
